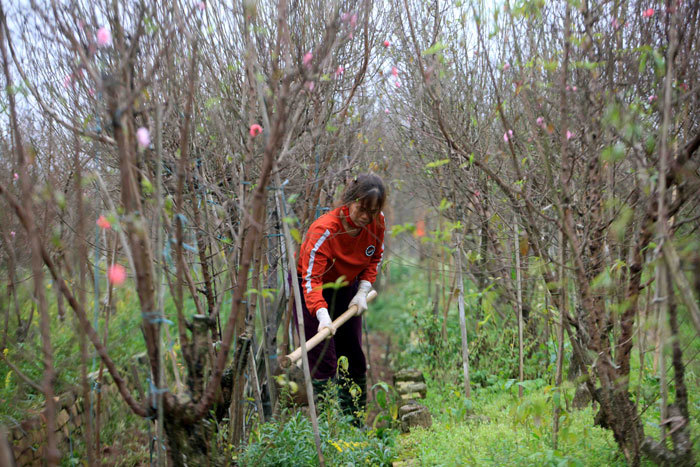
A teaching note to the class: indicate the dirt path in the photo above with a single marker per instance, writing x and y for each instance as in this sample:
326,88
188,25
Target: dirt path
379,358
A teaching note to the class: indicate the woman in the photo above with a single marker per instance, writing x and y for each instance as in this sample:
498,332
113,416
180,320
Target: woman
349,242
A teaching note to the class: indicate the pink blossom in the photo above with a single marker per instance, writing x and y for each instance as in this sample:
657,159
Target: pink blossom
345,17
569,134
68,81
506,66
310,86
255,130
201,6
143,136
540,121
386,111
615,23
397,83
477,193
91,92
652,98
387,44
308,56
104,37
16,176
103,223
648,13
507,135
394,71
339,71
568,88
574,88
116,274
12,233
353,20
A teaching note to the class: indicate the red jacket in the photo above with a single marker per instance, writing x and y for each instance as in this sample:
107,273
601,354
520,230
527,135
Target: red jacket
328,253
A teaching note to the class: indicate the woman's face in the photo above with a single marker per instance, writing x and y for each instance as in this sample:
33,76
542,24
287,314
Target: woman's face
362,215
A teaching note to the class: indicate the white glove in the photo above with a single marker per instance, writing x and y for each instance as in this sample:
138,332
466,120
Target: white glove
324,321
360,298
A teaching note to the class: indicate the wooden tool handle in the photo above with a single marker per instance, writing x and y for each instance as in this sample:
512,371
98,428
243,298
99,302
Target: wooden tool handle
289,360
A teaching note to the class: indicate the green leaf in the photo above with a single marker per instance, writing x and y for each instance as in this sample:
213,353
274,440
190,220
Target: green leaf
614,153
434,164
436,48
295,235
146,186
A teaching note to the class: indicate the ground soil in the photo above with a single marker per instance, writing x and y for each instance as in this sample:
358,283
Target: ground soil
379,358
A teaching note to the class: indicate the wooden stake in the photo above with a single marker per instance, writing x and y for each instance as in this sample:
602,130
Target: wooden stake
300,324
518,288
560,338
463,323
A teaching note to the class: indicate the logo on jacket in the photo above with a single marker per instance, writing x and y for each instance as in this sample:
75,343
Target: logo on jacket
370,250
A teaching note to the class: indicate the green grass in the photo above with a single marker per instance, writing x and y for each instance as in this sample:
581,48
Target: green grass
503,430
495,427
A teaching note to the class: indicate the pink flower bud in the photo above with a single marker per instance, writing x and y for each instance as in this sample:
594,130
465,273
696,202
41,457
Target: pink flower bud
507,135
308,56
569,134
310,86
648,13
339,71
255,130
387,44
506,66
143,136
12,233
16,176
103,223
116,274
540,122
104,37
652,99
201,6
394,71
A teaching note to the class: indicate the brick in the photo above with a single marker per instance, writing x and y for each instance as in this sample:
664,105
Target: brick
409,375
62,418
419,416
406,387
26,458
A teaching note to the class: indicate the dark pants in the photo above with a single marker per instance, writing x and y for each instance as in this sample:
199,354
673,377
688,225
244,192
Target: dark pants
323,359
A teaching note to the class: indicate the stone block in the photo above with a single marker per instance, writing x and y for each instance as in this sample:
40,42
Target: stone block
409,375
413,415
410,396
408,387
406,463
27,457
62,418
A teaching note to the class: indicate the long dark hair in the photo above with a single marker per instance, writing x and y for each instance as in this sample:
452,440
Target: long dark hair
368,189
